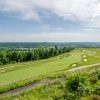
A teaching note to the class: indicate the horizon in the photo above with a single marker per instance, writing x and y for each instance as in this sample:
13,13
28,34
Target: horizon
49,42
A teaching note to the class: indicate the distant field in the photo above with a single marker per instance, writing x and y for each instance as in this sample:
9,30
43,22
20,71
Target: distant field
19,71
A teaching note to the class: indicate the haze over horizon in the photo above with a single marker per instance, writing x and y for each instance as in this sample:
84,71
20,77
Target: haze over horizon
49,20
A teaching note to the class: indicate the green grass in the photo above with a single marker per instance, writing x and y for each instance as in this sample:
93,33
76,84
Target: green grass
59,74
37,68
34,69
58,90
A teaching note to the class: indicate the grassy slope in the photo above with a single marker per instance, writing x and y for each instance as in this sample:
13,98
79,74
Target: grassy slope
46,66
51,91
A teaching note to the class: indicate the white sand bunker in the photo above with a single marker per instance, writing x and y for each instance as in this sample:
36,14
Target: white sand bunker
84,56
85,60
74,65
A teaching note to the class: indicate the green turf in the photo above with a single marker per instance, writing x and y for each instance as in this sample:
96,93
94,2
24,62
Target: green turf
58,89
42,67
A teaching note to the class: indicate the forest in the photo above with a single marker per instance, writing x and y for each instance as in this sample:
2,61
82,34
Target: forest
21,55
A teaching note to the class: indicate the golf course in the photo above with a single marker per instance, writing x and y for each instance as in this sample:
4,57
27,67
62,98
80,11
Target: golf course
14,72
17,75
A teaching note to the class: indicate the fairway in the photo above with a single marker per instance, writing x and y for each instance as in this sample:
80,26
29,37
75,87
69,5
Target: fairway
19,71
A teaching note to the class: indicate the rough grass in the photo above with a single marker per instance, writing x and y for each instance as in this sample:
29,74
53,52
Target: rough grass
57,91
61,74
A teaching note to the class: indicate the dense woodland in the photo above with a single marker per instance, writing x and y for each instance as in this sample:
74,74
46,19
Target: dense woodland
20,55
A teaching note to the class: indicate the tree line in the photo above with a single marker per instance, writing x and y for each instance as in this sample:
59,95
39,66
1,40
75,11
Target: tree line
9,56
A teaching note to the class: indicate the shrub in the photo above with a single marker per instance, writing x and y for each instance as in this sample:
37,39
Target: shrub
75,82
76,85
95,76
97,90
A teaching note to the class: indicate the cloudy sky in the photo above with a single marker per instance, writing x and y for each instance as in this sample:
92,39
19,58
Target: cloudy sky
49,20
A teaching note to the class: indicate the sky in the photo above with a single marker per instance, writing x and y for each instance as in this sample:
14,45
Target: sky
49,20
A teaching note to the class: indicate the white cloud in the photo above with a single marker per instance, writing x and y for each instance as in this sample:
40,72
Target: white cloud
84,10
22,8
51,37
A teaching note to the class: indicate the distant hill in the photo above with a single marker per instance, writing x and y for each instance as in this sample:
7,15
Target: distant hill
47,44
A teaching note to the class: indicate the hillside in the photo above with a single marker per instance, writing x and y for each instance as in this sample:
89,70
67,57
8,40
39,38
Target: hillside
13,76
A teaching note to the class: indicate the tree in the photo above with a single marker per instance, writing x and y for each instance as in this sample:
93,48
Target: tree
3,58
20,57
29,56
36,54
14,56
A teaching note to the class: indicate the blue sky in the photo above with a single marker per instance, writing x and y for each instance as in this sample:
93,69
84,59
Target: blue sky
49,20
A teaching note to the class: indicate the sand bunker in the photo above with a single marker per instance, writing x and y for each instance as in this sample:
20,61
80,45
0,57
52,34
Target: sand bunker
84,56
74,65
85,60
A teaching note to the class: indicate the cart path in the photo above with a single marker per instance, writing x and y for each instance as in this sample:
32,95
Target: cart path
82,67
30,86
